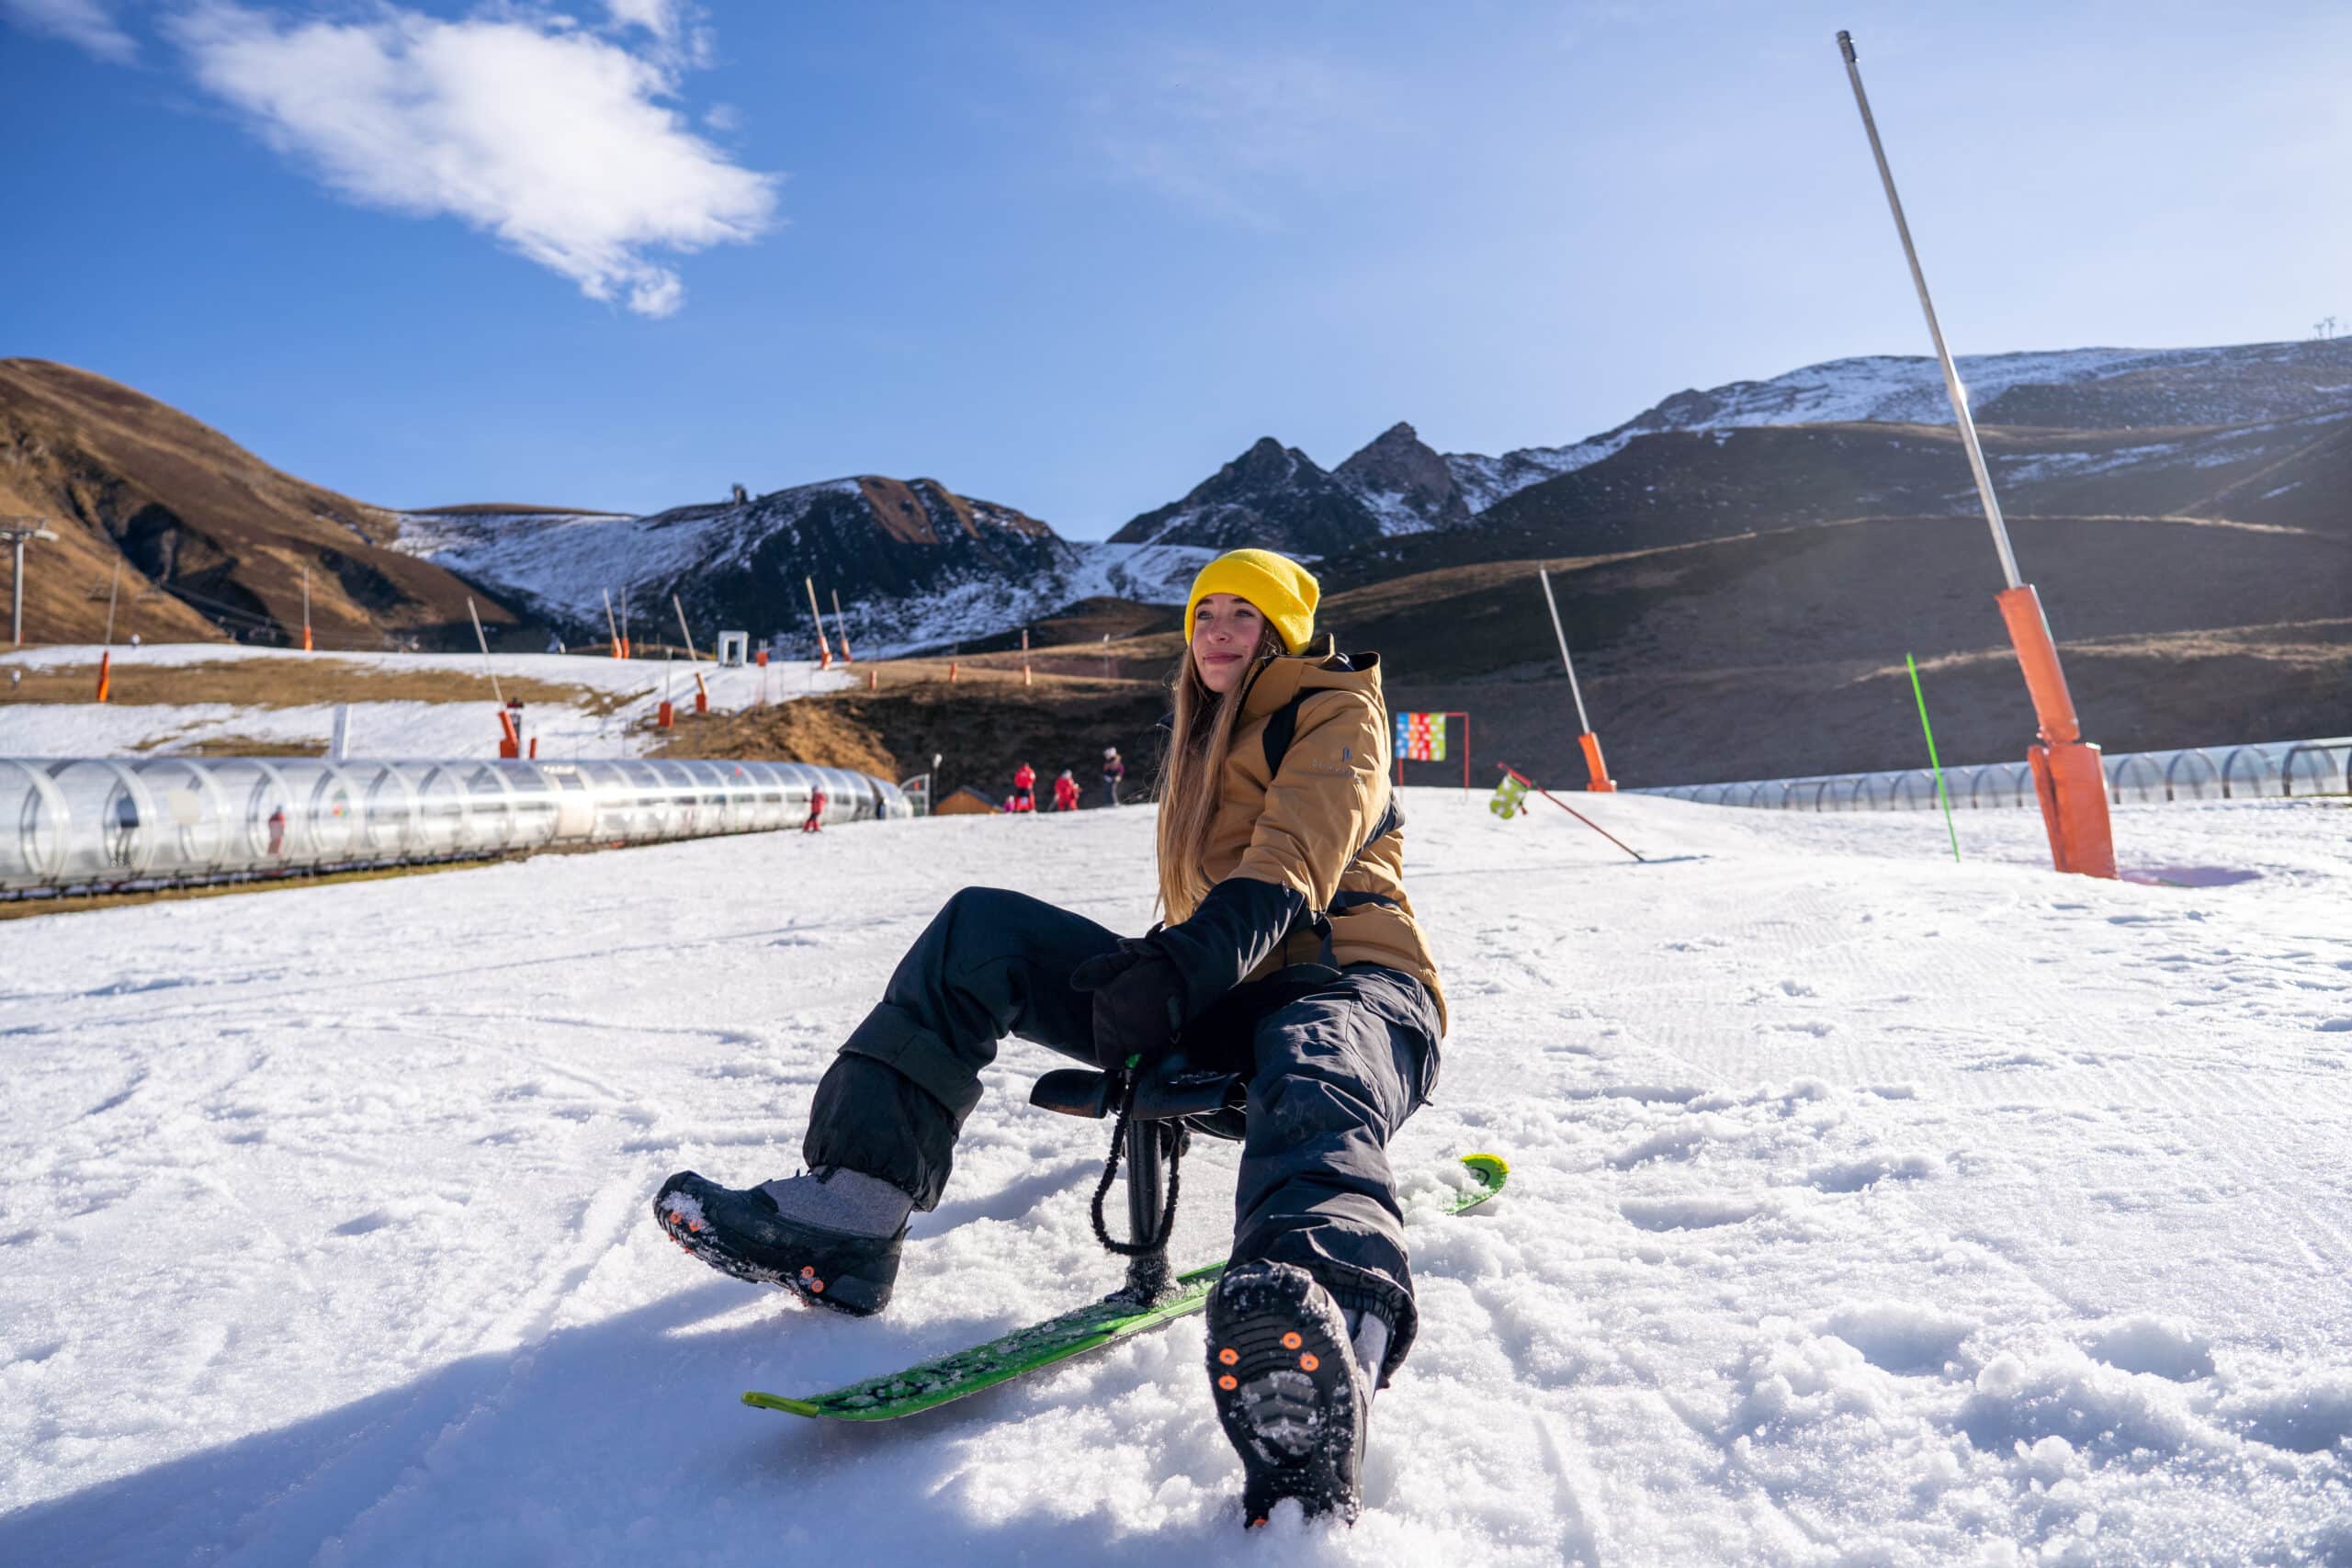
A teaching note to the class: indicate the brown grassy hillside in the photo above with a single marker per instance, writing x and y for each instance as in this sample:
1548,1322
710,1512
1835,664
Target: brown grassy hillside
195,519
1780,653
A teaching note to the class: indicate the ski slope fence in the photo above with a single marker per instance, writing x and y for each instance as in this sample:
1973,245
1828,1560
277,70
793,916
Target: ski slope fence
2261,769
88,825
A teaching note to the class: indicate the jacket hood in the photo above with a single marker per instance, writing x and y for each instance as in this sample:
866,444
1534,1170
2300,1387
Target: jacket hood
1319,666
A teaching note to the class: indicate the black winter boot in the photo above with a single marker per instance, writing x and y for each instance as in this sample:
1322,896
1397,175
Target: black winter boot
741,1232
1291,1391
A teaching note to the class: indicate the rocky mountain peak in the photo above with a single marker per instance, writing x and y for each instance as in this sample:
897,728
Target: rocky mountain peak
1268,462
1271,496
1405,481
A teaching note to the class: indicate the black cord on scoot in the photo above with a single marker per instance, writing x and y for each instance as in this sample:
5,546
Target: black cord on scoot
1151,1219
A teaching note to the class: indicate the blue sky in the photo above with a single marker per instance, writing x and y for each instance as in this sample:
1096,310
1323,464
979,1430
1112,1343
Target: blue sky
1072,257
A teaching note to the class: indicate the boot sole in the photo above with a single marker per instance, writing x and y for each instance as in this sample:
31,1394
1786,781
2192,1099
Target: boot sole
1282,1378
846,1293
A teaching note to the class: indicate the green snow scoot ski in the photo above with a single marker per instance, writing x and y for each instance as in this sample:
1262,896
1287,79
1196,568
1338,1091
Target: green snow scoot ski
1049,1344
1153,1115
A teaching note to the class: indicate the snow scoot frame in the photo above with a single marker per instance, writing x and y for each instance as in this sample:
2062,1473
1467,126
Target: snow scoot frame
1196,1099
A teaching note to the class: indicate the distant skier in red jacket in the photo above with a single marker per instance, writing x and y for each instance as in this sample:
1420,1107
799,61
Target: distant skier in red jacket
1024,788
1065,793
815,824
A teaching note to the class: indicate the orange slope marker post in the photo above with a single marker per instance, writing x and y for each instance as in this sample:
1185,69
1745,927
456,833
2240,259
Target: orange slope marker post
1600,783
694,659
106,654
510,740
841,626
824,648
2068,776
306,610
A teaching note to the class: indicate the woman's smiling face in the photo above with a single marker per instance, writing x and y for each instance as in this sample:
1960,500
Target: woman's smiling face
1226,631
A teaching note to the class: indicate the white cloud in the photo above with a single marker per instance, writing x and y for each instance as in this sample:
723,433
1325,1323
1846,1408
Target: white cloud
554,140
660,18
674,25
84,22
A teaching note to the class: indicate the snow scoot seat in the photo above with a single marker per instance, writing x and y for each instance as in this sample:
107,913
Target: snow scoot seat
1156,1113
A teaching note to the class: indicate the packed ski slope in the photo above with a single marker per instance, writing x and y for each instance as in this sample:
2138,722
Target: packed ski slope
1866,1209
619,726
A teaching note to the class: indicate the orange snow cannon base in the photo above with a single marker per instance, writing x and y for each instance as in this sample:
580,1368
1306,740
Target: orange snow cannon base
2066,772
1600,783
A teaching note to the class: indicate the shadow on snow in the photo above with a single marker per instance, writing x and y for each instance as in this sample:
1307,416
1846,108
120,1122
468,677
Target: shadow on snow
623,1442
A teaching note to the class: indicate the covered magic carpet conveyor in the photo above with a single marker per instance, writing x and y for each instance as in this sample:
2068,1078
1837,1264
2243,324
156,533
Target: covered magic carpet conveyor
86,825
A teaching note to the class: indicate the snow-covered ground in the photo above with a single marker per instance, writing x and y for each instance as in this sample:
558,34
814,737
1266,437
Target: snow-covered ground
385,729
1866,1210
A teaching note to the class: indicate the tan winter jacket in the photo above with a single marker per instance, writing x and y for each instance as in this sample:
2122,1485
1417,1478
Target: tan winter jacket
1300,828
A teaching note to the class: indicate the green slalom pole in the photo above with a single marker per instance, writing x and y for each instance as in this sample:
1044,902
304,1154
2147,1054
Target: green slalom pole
1941,793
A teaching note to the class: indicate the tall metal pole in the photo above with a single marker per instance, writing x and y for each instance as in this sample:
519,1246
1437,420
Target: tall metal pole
1583,724
824,648
483,643
841,627
694,659
20,530
1587,741
1952,387
2069,780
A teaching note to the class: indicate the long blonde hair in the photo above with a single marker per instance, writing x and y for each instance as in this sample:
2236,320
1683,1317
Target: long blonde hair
1198,745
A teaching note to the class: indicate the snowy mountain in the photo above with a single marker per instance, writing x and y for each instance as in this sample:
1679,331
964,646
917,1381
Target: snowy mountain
1678,487
2255,432
1277,497
1271,495
1398,486
2087,388
1404,482
914,563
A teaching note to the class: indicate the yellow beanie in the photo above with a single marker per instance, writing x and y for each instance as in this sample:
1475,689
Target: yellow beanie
1282,591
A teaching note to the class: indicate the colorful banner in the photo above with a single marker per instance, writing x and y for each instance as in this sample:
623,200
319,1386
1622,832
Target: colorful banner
1420,737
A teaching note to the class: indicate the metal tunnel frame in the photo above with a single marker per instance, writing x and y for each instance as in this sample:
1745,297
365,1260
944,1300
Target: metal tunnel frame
2259,769
86,825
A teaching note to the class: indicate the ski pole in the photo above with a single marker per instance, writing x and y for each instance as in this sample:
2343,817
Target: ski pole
1570,810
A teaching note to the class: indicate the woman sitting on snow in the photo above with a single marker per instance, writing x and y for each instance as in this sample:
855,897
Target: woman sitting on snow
1256,864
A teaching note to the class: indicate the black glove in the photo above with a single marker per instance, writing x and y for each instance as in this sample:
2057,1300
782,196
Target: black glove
1138,1004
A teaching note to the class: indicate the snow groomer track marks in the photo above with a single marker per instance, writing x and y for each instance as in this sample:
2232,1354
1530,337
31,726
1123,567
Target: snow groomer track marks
2074,1288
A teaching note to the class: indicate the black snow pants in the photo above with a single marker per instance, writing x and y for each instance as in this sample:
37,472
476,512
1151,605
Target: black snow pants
1333,1073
